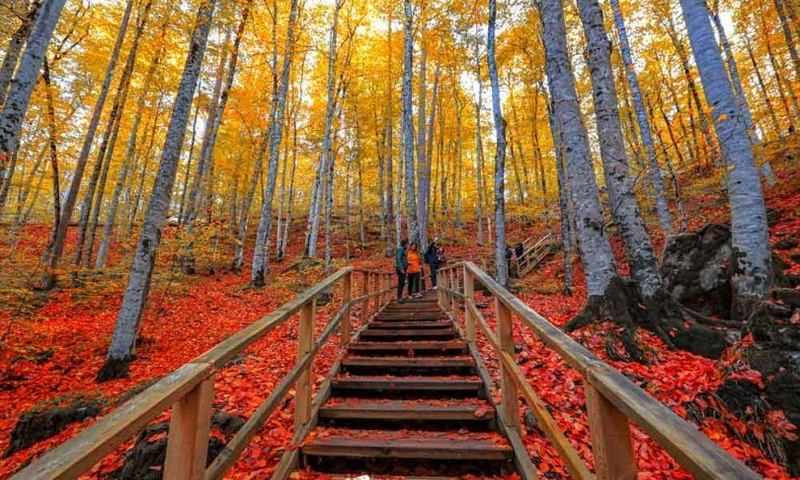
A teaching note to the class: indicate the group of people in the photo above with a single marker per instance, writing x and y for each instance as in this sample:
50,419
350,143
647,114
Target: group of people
408,265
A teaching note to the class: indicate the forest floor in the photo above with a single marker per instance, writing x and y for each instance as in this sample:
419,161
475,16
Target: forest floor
51,346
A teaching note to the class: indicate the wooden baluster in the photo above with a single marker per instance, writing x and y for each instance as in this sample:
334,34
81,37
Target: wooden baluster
469,298
510,394
376,282
611,438
302,401
440,295
347,294
452,285
365,303
187,446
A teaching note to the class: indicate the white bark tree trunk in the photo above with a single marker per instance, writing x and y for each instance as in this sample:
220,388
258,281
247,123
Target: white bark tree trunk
664,216
19,94
752,258
595,248
624,207
408,122
123,342
261,253
501,264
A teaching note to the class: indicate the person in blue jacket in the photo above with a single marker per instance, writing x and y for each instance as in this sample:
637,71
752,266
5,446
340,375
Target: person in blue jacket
400,266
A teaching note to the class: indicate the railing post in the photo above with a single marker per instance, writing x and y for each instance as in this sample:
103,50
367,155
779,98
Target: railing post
376,285
365,303
453,285
302,400
611,438
347,294
187,446
440,294
510,393
469,299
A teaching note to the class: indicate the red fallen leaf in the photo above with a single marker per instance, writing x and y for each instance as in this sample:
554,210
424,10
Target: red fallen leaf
481,412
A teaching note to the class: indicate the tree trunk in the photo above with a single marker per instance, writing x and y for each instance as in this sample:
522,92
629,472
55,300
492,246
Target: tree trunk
770,109
564,204
261,253
595,248
19,95
750,242
123,342
56,248
501,264
622,199
408,122
423,182
787,33
664,216
126,168
14,48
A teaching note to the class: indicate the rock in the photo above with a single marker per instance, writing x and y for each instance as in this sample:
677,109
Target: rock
701,341
777,310
786,243
42,423
696,269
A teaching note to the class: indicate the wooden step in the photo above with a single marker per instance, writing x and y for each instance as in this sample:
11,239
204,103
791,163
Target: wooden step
409,334
439,386
407,445
397,410
424,362
406,324
417,347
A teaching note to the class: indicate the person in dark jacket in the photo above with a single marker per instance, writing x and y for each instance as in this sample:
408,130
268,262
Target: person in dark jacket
400,266
432,259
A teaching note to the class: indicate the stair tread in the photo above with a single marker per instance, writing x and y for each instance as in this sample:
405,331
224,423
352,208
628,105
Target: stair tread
410,324
407,444
409,344
471,409
456,361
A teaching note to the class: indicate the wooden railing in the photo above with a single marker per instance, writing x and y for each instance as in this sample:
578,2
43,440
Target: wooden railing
612,400
533,252
189,391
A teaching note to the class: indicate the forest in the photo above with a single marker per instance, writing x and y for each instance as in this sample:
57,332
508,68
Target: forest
172,172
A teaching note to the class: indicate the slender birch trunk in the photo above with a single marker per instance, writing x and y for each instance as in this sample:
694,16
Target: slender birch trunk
261,252
664,216
408,122
123,342
14,49
624,207
56,247
501,264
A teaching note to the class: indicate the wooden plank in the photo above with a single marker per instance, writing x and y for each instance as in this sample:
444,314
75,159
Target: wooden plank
410,324
78,454
409,447
611,439
407,410
187,444
416,346
433,332
443,384
347,294
302,399
509,392
694,451
424,362
469,296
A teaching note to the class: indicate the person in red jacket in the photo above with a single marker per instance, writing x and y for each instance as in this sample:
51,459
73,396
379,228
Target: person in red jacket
414,270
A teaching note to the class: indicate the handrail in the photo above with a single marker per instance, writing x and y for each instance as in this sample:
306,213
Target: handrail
189,391
612,400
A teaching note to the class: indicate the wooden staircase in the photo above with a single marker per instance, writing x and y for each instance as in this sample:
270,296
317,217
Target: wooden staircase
408,401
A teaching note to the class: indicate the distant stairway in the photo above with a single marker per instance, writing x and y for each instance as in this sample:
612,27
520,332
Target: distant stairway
408,401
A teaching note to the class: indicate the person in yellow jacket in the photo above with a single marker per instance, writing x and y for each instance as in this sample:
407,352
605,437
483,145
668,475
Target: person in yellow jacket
414,270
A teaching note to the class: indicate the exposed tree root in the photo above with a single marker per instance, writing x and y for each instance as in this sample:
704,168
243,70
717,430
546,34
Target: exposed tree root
113,369
622,305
